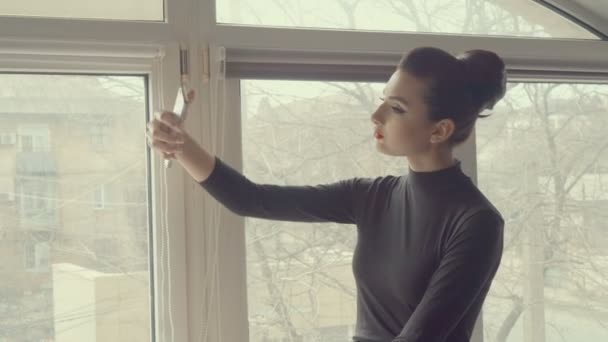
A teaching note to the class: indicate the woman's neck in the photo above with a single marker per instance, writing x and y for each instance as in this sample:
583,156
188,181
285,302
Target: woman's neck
431,161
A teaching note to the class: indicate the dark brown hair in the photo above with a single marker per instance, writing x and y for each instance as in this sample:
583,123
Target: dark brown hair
460,87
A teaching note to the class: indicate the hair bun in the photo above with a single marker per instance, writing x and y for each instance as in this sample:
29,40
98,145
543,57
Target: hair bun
486,77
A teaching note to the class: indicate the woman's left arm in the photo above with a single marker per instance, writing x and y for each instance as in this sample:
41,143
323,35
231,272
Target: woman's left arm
464,274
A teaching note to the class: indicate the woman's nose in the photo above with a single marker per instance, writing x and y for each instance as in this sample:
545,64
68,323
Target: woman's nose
376,117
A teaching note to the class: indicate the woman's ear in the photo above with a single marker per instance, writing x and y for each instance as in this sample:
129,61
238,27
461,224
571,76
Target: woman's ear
442,131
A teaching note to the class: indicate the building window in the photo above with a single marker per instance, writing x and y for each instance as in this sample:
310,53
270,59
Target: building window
37,256
34,138
37,199
99,197
100,137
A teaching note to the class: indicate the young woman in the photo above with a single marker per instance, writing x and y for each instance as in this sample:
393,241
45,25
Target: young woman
429,242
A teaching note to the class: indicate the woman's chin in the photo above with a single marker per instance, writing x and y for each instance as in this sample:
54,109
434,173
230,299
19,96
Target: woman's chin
380,147
383,150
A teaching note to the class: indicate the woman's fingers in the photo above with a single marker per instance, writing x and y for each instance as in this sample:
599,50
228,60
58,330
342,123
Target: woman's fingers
190,96
170,119
161,132
166,148
164,134
164,138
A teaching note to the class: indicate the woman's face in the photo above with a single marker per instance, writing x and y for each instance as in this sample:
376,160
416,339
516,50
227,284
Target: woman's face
402,119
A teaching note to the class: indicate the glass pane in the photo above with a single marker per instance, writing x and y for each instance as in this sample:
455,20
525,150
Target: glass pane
543,161
522,18
300,280
108,9
74,249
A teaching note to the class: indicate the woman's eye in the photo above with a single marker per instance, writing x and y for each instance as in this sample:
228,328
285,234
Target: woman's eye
398,110
395,108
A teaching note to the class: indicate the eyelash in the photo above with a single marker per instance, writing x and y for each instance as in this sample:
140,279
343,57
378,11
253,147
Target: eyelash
395,109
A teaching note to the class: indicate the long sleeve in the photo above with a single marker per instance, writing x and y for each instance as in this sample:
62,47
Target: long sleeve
460,283
335,202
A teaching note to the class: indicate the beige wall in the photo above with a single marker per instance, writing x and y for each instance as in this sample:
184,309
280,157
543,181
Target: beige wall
108,307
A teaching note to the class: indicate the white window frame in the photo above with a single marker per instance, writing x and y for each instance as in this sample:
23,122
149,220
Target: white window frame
117,47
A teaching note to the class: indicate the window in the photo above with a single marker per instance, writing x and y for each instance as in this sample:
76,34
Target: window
109,9
104,247
30,255
108,40
99,197
37,201
548,177
7,189
521,18
7,139
27,143
34,138
100,138
37,256
299,276
87,276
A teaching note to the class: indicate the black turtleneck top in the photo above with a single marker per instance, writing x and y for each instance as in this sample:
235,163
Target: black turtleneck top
428,246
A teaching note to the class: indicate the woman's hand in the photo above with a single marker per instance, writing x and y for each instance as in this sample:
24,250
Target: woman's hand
166,134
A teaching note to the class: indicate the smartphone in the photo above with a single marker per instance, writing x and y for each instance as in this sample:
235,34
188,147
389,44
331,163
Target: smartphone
181,109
